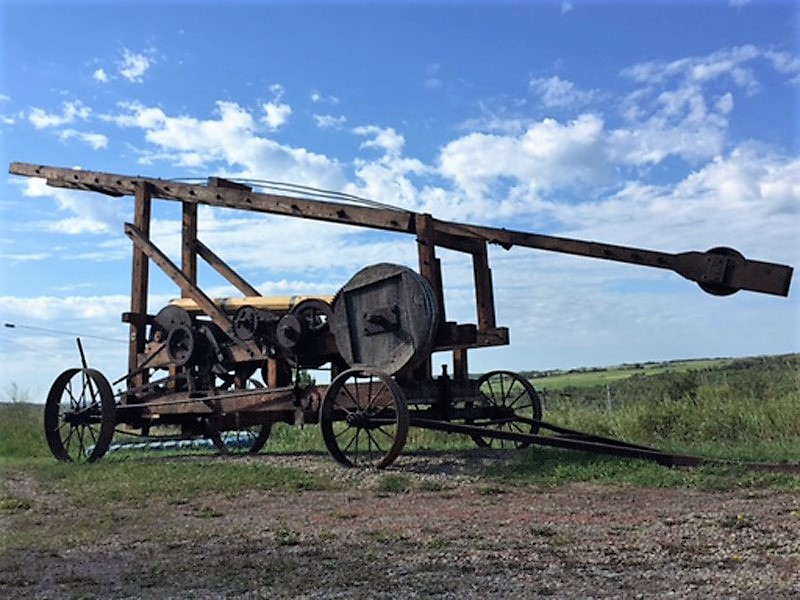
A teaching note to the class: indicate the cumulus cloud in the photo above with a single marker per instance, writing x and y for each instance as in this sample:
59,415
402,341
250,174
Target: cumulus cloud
276,114
546,155
70,112
97,141
233,138
386,139
100,75
84,214
134,65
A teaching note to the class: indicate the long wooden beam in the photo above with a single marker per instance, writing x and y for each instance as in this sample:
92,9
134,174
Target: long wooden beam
717,272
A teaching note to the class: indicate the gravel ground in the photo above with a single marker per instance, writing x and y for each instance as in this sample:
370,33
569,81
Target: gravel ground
452,534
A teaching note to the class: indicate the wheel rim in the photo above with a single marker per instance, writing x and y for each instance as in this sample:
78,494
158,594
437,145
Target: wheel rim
79,416
364,419
246,440
249,440
510,397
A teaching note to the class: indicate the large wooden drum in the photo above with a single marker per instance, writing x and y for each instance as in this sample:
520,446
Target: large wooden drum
385,318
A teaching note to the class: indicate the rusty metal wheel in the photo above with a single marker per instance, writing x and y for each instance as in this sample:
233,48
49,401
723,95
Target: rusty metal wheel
247,440
364,418
512,404
79,416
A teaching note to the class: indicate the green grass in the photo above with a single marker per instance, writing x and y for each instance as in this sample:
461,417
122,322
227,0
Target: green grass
593,377
746,409
553,467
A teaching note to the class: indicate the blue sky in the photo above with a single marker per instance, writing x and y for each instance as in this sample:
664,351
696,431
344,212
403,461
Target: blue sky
666,125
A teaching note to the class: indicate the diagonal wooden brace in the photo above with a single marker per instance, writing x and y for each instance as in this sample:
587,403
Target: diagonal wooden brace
208,306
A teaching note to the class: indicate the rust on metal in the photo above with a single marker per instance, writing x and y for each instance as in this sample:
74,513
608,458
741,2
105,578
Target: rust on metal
206,366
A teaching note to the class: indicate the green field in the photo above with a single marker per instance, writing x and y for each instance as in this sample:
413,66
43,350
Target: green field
593,377
153,523
742,409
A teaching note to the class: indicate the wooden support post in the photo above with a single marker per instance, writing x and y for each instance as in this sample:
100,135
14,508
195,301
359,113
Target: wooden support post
139,283
188,239
484,295
430,269
429,265
460,367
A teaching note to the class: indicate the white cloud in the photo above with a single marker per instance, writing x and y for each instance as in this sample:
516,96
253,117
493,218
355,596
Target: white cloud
735,64
386,139
97,141
749,198
682,107
85,214
330,121
317,97
724,104
547,154
70,112
558,93
133,66
100,75
276,114
232,138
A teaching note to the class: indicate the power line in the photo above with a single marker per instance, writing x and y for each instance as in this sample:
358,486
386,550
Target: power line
60,332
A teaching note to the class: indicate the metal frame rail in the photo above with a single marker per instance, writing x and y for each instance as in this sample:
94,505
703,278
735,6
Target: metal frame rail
569,439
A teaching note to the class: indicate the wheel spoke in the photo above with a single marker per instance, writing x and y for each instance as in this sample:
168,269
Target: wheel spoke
372,440
353,439
517,397
380,413
92,434
353,398
519,408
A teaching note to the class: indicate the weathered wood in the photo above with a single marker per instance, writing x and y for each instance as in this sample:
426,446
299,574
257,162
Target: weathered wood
217,315
386,318
188,239
139,283
728,271
484,294
227,197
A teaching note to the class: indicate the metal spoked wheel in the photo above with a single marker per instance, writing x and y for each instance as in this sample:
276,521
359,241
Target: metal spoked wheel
364,418
509,397
79,416
247,440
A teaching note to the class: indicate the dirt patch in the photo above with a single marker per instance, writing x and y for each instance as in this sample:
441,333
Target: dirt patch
431,527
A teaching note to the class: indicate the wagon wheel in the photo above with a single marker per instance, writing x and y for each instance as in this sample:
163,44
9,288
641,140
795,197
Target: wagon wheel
364,418
248,440
508,396
79,416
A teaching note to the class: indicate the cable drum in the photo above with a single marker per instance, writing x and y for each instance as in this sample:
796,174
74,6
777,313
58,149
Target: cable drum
386,317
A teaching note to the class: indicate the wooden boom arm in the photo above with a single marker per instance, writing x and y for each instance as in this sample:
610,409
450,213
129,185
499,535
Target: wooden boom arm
719,271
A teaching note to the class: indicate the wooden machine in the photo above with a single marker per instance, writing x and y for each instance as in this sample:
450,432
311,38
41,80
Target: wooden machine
208,366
